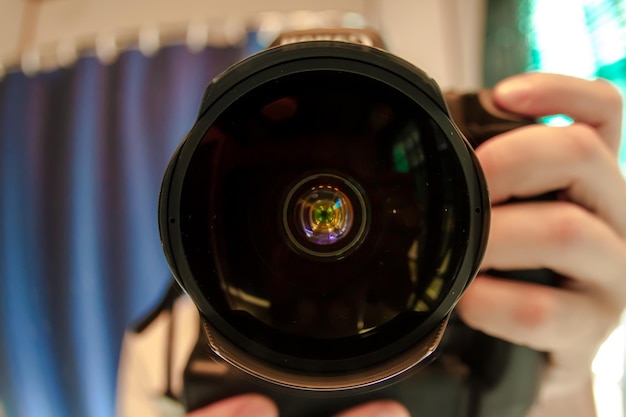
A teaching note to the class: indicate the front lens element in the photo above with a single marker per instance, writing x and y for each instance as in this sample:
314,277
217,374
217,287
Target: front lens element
326,214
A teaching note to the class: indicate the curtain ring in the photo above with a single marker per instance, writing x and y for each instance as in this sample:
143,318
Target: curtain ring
269,26
106,48
30,61
197,35
66,53
234,31
149,40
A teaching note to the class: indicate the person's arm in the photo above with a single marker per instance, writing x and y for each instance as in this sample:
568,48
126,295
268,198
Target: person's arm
142,373
152,360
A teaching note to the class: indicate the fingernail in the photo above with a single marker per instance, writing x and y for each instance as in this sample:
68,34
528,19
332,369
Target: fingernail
512,90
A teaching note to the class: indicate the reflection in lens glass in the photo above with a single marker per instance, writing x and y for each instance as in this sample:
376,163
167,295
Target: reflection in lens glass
325,214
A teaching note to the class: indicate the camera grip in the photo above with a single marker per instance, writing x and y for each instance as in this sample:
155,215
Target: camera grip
479,119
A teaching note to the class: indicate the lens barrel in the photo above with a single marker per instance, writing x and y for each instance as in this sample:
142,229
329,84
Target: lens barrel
324,214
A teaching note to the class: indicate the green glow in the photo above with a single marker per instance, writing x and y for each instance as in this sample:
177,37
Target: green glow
557,120
324,214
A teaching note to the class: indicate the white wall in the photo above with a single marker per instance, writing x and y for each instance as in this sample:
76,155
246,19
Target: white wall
441,36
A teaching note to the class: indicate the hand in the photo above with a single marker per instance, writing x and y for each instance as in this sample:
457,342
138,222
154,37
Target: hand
254,405
582,236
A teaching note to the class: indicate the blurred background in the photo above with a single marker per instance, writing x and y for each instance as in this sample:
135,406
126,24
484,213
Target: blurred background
96,95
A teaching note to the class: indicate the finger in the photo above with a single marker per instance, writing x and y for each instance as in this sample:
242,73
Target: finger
538,159
247,405
547,319
597,103
560,236
386,408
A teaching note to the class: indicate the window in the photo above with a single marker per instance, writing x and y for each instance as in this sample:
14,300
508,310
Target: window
589,39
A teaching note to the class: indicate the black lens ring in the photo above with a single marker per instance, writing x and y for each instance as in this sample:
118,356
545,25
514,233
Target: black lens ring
333,56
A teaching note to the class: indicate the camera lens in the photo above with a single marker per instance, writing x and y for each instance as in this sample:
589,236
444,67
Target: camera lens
320,212
324,215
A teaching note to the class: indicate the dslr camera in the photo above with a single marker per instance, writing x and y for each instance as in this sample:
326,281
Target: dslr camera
325,214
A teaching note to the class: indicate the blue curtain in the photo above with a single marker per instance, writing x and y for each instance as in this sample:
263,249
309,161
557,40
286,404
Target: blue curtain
82,152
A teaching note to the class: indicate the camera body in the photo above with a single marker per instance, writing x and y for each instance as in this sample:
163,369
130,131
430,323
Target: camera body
325,214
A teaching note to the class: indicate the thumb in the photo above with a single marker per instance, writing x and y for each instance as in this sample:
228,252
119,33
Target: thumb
247,405
596,103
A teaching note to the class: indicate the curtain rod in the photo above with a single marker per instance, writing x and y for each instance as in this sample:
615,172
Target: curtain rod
196,34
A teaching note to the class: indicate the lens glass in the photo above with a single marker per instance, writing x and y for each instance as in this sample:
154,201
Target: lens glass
325,214
334,212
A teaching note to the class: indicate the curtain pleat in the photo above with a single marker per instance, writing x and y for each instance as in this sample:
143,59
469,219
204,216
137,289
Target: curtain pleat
82,153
